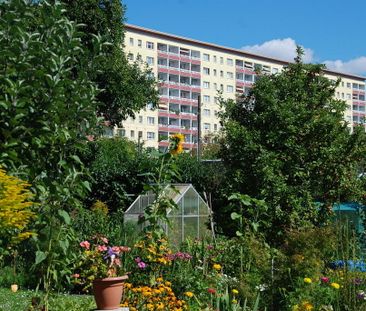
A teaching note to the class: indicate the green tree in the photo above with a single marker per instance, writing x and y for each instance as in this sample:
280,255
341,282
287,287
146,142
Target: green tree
126,87
118,167
288,144
47,99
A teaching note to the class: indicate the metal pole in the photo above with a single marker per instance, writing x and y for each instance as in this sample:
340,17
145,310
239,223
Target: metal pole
199,129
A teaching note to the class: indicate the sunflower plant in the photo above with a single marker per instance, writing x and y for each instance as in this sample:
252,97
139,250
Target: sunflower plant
156,213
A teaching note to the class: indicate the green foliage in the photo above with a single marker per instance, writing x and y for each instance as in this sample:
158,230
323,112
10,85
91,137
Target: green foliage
22,300
116,167
47,99
288,144
127,87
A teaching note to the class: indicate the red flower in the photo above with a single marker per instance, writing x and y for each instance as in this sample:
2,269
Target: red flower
211,291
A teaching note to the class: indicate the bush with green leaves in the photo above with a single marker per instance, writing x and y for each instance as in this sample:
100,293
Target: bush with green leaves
287,143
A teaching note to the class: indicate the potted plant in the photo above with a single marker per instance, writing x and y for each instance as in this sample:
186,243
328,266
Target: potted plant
100,267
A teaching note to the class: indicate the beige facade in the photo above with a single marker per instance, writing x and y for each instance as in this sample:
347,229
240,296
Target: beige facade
187,68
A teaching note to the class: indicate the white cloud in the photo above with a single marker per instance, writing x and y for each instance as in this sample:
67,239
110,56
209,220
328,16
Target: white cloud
354,66
284,49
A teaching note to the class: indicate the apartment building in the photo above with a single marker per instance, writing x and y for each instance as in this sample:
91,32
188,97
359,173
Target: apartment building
187,69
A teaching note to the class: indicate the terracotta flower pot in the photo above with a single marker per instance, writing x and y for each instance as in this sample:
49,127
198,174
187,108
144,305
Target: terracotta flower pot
108,292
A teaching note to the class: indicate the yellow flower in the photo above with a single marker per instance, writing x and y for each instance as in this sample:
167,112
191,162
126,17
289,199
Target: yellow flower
189,294
217,266
307,280
307,306
235,291
176,145
234,301
335,285
295,308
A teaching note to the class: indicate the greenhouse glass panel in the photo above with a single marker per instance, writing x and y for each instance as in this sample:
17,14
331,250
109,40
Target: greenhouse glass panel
203,227
203,208
190,202
190,227
175,230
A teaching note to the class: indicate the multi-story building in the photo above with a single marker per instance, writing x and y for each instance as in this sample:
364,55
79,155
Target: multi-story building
187,69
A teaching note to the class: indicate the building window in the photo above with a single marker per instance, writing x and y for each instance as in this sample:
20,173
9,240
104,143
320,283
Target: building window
230,75
215,127
221,74
108,132
206,85
141,119
131,41
342,84
121,132
150,106
139,43
348,85
206,112
206,98
215,59
206,70
206,126
150,120
215,72
229,88
229,62
216,101
150,135
132,134
206,57
274,70
149,45
348,96
130,56
150,60
221,60
215,86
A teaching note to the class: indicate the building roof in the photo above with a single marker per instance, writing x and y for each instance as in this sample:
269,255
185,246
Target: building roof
238,52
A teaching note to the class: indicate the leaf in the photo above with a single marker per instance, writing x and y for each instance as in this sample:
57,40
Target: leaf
235,216
65,216
238,233
40,256
86,184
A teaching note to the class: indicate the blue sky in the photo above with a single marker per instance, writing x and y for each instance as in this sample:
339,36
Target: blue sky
331,31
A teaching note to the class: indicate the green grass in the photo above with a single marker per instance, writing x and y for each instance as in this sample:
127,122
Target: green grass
21,301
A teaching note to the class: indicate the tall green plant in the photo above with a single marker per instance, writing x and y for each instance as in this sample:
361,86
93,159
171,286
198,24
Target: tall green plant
47,99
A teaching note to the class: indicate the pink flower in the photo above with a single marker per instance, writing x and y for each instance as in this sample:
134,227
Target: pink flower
76,275
102,248
105,240
116,249
117,262
85,244
141,265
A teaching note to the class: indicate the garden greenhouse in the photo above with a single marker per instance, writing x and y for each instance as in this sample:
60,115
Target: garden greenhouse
189,220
